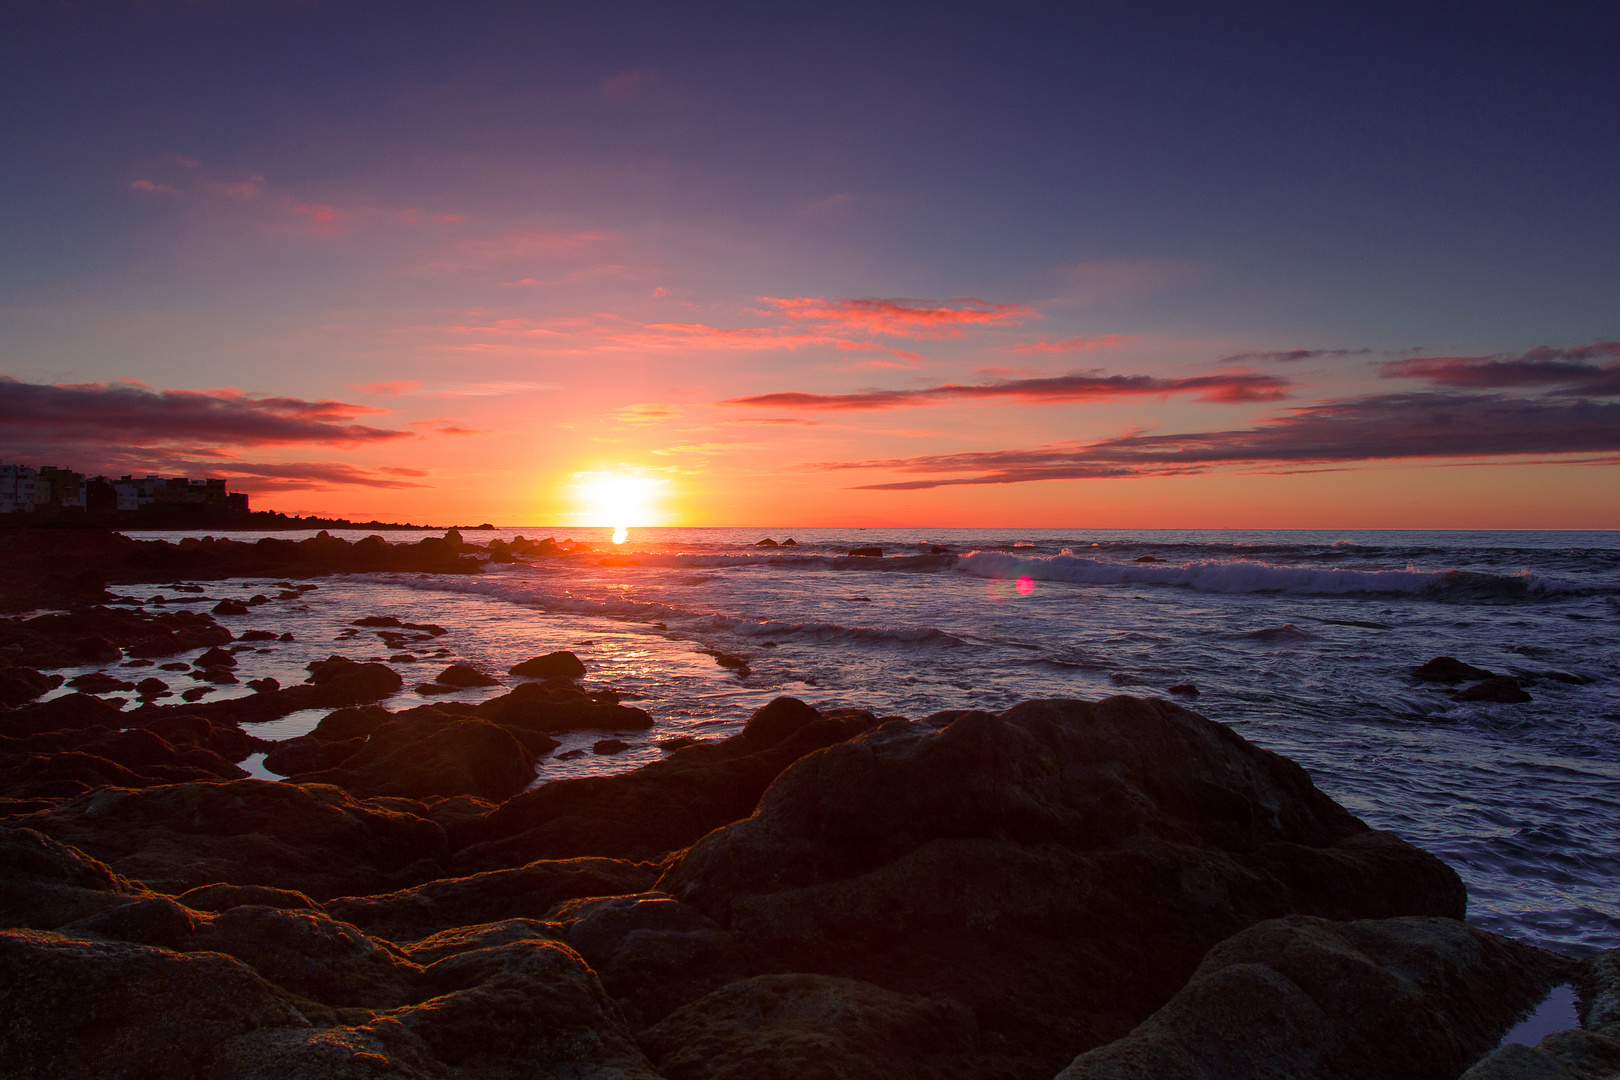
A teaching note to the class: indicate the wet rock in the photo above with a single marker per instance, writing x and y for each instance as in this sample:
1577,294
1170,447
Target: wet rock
119,1011
1448,669
45,884
151,687
428,753
196,693
344,681
867,552
428,689
1184,690
355,722
767,543
308,754
286,637
317,839
790,542
660,807
813,1025
266,685
1563,1055
99,682
609,746
461,675
1092,851
730,662
21,684
95,649
230,607
215,657
559,706
528,892
1306,998
1500,689
257,635
555,665
219,676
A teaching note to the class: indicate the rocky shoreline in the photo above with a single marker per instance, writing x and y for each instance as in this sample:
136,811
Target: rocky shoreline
1112,889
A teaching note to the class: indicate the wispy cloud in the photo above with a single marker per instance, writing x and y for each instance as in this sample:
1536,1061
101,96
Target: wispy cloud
1074,344
1227,388
1567,371
1290,356
900,317
1426,426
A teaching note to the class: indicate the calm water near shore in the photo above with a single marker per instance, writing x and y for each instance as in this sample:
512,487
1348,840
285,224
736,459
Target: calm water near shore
1301,641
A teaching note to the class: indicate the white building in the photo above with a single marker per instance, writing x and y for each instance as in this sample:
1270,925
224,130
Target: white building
16,489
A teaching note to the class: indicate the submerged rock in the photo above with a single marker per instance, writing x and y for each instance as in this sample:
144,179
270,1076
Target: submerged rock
1301,998
461,676
1448,669
1500,689
554,665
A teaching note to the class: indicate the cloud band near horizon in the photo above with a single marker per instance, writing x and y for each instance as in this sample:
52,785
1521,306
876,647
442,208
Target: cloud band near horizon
1237,388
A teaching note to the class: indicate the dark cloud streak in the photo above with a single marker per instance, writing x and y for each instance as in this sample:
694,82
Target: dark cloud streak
1227,389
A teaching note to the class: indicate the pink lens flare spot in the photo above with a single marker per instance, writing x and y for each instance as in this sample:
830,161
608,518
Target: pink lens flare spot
1026,585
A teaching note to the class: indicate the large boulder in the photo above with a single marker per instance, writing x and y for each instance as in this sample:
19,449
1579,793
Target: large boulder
561,706
1307,999
528,892
1589,1052
1060,868
658,808
813,1026
316,839
77,1007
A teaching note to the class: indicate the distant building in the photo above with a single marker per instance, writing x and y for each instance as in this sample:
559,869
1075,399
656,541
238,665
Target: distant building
27,490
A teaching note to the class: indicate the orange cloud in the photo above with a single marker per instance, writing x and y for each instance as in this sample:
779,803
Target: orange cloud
901,317
1228,389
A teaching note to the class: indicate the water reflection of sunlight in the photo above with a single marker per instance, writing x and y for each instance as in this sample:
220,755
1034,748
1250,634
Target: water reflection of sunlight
618,500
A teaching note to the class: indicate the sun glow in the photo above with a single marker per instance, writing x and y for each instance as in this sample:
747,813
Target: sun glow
619,500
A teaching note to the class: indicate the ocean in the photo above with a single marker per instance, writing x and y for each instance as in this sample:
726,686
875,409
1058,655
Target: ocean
1301,641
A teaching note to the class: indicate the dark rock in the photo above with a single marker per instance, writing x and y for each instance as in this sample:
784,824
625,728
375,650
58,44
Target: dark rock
1305,998
308,754
257,635
1185,689
609,746
377,621
126,1011
266,685
728,660
97,650
215,657
21,684
1563,1055
767,543
344,681
286,637
256,599
554,706
1448,669
464,939
661,807
428,753
99,682
790,542
669,746
220,897
428,689
555,665
355,722
461,675
317,840
813,1025
570,755
868,552
45,884
1147,559
151,687
175,667
1565,677
312,955
1060,868
220,676
157,921
1500,688
230,607
528,892
196,693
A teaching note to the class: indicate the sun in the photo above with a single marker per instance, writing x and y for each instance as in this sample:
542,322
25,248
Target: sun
621,500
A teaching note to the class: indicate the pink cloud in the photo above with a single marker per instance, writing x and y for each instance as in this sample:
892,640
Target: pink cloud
147,187
901,317
1236,388
1567,370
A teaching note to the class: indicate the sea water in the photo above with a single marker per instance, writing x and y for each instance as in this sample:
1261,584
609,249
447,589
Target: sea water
1302,641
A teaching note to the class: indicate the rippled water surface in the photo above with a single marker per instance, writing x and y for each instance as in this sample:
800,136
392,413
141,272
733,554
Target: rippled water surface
1301,641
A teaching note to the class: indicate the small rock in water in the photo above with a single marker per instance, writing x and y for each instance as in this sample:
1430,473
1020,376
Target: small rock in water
196,692
570,755
215,657
670,745
257,635
1185,689
790,542
462,675
1448,669
429,689
263,686
402,658
1285,632
230,607
99,682
217,673
1148,558
1501,689
767,543
175,667
286,637
556,665
609,746
867,552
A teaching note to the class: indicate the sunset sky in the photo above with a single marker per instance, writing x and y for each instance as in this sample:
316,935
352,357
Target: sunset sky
1113,265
